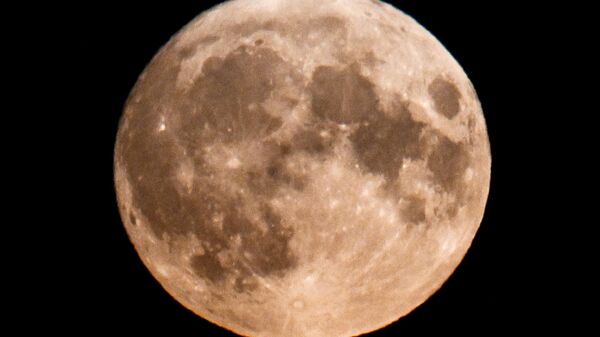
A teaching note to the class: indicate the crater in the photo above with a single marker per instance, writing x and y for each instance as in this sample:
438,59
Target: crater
132,218
445,97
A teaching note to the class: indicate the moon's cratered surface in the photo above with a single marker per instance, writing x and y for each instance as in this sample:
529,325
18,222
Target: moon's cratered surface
302,168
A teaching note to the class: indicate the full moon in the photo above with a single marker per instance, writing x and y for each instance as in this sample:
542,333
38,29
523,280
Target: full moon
302,168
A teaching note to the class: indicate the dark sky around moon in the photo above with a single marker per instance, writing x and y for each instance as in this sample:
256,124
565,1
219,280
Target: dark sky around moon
492,289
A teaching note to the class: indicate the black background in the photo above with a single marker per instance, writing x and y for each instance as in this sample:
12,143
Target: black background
510,52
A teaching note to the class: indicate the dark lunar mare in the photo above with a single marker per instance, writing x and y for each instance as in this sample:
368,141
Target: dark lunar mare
222,107
383,142
446,97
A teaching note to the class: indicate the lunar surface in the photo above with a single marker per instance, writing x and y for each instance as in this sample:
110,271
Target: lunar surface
302,168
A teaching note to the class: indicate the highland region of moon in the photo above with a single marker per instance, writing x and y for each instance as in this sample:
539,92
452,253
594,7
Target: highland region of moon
302,168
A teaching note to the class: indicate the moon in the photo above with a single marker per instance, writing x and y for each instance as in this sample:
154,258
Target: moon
302,168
